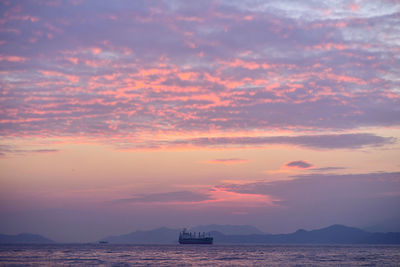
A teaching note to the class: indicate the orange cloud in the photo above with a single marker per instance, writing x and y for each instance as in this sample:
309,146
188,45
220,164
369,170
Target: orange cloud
96,50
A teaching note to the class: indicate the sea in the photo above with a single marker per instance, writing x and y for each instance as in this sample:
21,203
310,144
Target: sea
198,255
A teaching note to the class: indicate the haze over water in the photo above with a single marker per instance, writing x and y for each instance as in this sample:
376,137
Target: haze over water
118,116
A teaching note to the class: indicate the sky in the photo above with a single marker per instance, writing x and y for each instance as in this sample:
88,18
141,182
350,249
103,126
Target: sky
119,115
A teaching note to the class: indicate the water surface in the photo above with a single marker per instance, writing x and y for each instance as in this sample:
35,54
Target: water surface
198,255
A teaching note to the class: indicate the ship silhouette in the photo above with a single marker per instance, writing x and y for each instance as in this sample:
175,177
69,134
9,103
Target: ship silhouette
186,237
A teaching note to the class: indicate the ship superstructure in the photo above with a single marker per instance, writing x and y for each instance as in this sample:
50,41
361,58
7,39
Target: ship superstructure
186,237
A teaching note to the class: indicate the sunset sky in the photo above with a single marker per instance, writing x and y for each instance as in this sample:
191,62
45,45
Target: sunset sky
124,115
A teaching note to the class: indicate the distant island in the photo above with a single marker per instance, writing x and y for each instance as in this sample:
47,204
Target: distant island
335,234
233,234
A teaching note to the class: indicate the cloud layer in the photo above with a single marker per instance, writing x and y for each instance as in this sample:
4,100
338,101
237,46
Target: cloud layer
143,68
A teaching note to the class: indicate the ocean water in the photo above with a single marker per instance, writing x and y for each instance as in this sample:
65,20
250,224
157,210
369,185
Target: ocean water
198,255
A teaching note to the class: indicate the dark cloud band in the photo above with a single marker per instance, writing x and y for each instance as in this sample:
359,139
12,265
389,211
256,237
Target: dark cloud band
330,141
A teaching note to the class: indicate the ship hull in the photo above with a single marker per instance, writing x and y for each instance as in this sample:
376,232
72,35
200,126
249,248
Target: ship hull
200,241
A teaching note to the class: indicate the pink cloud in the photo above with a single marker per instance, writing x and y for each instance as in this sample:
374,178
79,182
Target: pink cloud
12,58
354,7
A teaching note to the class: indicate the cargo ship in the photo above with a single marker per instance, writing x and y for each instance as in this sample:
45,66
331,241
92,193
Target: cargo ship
194,238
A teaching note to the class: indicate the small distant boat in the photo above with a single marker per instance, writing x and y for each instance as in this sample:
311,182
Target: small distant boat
193,238
103,242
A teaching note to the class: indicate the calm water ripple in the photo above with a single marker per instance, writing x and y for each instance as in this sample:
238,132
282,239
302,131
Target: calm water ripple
195,255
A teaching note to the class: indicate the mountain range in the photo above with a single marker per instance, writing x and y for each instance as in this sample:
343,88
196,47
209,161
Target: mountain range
335,234
235,234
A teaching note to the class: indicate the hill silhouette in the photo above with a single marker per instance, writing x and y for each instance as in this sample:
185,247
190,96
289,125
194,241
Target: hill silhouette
24,238
228,229
161,235
335,234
